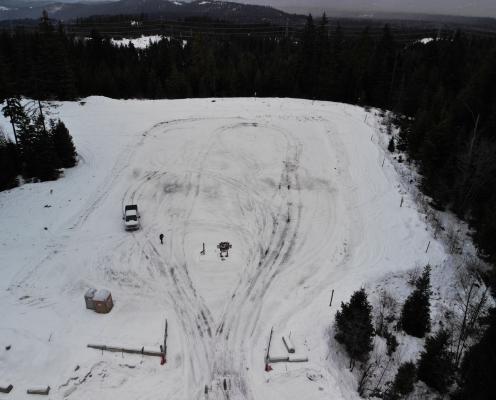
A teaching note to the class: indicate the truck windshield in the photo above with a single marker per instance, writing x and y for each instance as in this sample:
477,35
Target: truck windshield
131,218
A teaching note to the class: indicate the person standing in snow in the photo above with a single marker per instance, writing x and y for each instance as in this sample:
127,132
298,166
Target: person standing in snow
161,238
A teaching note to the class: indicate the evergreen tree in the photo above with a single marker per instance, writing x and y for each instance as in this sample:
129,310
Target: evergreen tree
435,366
9,163
307,68
176,85
415,315
479,365
26,134
14,111
38,156
4,80
391,343
43,163
324,60
354,326
63,144
391,146
403,381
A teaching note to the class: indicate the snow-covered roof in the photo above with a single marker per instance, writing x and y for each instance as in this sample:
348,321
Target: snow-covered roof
90,293
101,295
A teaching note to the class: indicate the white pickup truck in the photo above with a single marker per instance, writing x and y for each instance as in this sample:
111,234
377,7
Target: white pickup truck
131,217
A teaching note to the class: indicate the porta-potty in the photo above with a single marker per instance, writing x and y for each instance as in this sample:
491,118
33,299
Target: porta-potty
88,298
102,299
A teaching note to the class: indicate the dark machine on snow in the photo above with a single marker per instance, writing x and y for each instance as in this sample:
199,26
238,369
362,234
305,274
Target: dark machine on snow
224,249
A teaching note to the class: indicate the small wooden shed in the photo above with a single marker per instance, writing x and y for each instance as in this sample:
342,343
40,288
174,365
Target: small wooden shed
102,300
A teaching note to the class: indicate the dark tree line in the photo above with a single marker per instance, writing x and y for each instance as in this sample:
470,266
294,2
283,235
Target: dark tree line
40,150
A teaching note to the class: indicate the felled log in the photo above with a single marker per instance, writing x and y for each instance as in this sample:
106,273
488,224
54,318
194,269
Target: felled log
41,390
6,389
298,359
277,359
113,349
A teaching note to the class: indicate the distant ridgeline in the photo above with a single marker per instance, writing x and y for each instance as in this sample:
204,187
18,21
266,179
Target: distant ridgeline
442,90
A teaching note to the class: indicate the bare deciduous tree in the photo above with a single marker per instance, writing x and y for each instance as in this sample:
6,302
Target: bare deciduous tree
453,239
471,302
414,274
386,311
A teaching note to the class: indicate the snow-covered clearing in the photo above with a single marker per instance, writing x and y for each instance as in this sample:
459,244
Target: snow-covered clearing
140,42
425,40
298,187
143,41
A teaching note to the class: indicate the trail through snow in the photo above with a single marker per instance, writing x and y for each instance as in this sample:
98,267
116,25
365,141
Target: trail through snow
298,189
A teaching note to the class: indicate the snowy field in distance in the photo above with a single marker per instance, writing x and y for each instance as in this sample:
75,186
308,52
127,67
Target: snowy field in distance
143,41
297,187
140,42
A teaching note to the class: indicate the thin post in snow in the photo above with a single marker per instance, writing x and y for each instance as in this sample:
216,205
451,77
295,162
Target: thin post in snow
268,347
165,339
383,162
332,296
268,368
401,204
427,249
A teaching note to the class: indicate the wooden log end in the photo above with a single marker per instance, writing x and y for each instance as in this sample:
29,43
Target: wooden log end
42,390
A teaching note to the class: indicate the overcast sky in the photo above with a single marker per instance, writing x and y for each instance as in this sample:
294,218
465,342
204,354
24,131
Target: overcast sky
484,8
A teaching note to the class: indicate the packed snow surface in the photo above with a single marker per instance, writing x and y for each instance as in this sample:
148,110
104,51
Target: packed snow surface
300,189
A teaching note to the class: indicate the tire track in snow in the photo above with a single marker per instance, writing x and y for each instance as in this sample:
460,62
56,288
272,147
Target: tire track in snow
193,314
246,303
219,352
108,184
